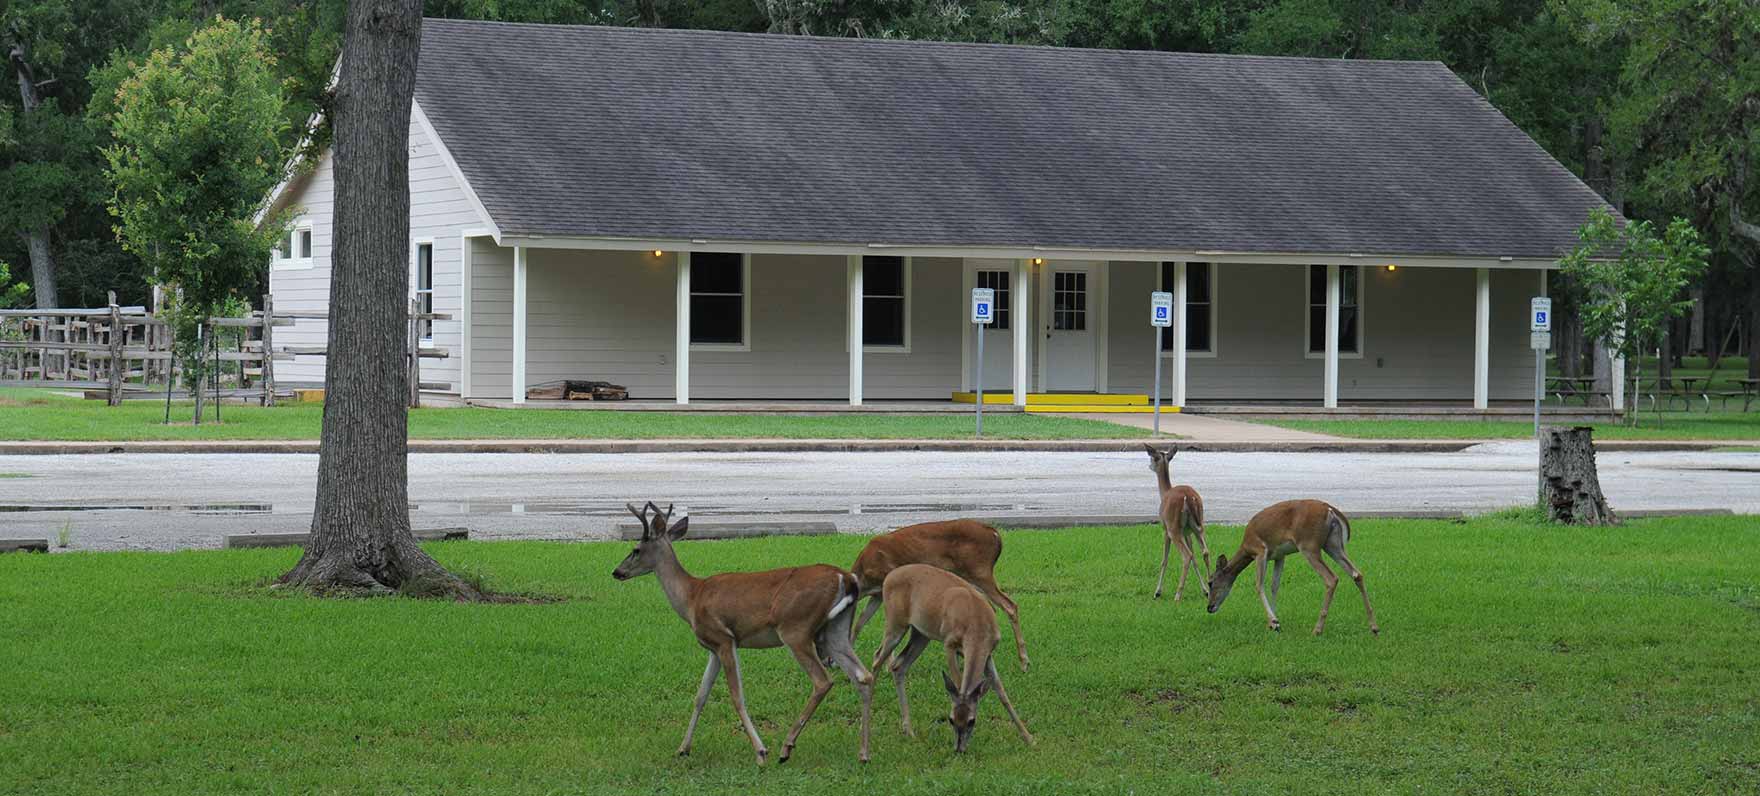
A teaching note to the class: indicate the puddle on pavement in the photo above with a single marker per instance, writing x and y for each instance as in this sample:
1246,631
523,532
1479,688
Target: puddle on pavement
187,508
553,509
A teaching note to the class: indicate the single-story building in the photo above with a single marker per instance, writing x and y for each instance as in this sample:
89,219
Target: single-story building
704,215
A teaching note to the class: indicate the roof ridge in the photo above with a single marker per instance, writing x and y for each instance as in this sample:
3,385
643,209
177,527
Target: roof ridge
788,39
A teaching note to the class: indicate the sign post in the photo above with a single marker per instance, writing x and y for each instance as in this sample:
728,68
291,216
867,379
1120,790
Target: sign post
1540,339
983,314
1160,317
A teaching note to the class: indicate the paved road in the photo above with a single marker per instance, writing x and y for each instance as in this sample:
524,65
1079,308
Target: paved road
169,501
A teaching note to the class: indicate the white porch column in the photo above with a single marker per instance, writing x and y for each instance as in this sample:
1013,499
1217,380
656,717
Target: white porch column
1022,301
1482,341
519,325
1330,399
681,356
854,335
1179,334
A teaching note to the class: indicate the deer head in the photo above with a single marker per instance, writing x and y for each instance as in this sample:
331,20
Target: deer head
1159,459
964,716
657,539
1223,577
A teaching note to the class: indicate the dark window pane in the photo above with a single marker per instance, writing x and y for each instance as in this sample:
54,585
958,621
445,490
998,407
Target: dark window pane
1166,282
997,281
1316,329
1347,330
883,276
1197,282
1198,327
1316,284
425,267
717,319
305,243
1347,285
882,321
715,272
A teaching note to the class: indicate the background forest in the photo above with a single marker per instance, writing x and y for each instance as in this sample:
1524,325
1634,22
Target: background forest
1654,103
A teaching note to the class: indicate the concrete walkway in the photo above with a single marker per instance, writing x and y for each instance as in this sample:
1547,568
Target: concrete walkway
1209,428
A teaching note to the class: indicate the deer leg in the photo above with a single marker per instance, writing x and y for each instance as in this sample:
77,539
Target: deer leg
1276,581
807,655
988,586
1356,575
729,655
835,645
867,613
1326,577
710,672
900,670
1185,565
1270,613
996,685
1166,551
894,634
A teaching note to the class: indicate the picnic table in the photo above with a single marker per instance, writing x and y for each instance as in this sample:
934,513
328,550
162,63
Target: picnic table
1685,393
1750,392
1566,387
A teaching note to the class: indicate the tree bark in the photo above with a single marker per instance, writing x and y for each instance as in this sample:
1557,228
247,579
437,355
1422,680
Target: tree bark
361,537
1570,488
36,239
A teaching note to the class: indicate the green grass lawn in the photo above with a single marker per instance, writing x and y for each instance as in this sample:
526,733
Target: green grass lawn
1514,658
1666,425
33,414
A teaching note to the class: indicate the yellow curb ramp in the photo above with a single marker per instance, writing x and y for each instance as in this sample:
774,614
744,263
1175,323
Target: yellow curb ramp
1077,399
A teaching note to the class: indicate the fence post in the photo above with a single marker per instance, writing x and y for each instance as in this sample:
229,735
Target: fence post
268,349
415,354
115,351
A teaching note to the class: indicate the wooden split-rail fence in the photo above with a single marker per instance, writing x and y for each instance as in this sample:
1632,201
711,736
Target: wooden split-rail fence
125,352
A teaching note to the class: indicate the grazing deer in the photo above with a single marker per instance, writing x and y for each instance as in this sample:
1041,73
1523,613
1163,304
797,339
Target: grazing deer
966,548
807,609
934,604
1310,526
1182,520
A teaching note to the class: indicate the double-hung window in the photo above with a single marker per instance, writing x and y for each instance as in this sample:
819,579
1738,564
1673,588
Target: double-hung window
424,289
1200,307
1000,310
1350,310
720,300
886,303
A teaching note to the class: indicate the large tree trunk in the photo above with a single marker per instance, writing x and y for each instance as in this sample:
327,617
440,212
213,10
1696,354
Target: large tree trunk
37,239
1570,487
361,535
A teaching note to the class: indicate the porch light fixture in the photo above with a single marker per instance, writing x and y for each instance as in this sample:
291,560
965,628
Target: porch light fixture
1038,261
657,252
1391,268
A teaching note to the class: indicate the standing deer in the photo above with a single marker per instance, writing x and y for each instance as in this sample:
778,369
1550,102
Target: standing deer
966,548
1182,520
1310,526
807,609
934,604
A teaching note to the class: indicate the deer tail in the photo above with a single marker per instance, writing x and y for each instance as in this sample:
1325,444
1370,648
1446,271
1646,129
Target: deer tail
847,590
1336,523
1193,515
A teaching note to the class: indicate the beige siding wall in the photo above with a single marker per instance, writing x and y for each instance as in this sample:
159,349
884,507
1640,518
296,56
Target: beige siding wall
610,316
1417,342
439,213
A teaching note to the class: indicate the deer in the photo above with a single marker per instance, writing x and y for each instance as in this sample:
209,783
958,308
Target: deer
1311,526
1182,520
934,604
806,609
966,548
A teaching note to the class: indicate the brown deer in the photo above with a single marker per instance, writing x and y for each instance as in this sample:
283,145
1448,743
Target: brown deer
934,604
1311,526
1182,520
966,548
807,609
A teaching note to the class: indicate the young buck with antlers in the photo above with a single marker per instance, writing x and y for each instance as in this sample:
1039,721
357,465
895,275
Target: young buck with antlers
934,604
807,609
1311,526
966,548
1182,520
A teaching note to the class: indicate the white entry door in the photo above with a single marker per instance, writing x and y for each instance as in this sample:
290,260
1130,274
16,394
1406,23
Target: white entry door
1070,326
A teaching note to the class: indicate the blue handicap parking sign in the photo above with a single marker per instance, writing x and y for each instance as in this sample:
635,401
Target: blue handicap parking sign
1540,316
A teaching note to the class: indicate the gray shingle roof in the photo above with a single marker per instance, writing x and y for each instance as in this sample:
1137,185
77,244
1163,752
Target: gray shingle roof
619,132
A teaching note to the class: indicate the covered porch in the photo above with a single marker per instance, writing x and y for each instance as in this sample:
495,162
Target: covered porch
809,328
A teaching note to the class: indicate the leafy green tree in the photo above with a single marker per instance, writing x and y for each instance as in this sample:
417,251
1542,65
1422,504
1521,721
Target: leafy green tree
1632,283
198,146
11,294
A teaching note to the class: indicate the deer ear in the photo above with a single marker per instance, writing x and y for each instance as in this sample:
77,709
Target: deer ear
1221,560
952,690
983,686
676,532
1171,452
1151,449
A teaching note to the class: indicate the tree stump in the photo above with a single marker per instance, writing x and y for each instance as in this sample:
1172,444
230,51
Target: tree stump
1570,488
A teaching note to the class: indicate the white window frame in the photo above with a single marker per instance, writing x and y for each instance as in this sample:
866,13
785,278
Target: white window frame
745,314
1160,285
1362,304
415,276
285,260
908,264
